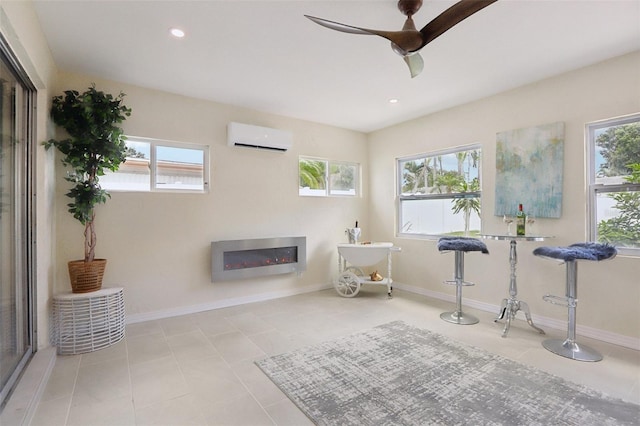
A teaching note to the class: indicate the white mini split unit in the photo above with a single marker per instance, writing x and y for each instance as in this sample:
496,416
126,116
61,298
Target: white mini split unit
250,136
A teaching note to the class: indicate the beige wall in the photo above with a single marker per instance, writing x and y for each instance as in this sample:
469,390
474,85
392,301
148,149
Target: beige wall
158,244
609,293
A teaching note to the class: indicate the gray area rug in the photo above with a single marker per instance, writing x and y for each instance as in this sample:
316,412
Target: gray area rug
397,374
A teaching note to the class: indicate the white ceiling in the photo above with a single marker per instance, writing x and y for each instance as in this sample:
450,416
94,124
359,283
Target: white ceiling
266,56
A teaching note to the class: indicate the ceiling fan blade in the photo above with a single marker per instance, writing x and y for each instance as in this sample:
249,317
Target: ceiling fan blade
340,27
450,17
409,40
415,62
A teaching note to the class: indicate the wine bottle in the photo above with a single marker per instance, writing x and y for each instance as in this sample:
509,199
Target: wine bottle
521,220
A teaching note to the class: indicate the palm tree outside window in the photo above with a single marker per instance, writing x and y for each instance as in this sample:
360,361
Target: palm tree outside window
439,193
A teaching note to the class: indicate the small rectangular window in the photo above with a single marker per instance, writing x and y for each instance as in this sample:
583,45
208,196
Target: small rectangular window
179,168
343,178
439,193
157,165
322,178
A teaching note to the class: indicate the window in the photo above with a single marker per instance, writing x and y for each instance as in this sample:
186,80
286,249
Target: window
614,182
322,178
157,165
439,193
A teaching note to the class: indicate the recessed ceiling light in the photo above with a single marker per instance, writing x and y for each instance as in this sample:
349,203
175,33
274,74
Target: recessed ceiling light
393,101
177,32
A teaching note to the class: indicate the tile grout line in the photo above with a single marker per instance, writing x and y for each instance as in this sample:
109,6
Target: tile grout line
244,385
73,390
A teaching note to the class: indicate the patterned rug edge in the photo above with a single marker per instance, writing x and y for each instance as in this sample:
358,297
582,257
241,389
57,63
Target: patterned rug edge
340,340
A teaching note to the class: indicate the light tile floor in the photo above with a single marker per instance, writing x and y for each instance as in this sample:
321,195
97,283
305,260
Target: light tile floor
198,369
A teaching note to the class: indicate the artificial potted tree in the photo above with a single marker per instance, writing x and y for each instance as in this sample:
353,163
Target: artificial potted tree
96,143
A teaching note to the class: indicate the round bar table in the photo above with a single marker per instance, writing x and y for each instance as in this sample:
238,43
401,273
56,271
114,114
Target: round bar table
511,305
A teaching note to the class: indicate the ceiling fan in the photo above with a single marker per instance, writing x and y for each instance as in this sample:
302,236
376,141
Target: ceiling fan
408,41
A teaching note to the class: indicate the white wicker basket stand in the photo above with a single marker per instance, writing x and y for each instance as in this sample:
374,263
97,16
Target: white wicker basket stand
86,322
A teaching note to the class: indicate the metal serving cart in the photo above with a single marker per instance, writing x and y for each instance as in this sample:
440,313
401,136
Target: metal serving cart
352,257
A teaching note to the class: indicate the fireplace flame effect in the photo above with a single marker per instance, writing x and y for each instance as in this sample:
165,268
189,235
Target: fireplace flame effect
256,258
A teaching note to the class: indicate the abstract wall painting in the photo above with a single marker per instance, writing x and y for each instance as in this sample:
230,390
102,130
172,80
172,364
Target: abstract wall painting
529,170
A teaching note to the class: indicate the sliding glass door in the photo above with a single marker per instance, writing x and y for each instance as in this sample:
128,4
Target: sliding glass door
16,230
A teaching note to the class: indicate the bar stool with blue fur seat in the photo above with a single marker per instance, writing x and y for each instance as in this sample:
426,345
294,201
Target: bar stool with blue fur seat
460,245
568,347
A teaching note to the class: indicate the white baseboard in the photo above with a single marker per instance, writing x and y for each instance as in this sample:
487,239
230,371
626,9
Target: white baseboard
593,333
219,304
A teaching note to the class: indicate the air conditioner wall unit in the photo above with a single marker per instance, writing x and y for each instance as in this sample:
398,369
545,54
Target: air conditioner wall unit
250,136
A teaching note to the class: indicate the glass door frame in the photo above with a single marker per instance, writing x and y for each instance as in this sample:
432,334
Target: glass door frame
25,198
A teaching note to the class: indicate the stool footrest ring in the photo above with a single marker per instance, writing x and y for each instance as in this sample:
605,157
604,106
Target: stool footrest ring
455,282
559,300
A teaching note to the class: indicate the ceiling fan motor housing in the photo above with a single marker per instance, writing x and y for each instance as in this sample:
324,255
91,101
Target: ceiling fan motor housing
409,7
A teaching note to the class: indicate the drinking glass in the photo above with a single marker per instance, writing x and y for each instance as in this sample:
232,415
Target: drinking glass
508,220
531,219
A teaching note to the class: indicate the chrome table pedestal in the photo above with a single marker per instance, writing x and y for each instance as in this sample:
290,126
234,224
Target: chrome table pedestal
511,305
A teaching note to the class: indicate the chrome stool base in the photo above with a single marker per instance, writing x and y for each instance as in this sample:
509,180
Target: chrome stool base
570,349
459,318
460,245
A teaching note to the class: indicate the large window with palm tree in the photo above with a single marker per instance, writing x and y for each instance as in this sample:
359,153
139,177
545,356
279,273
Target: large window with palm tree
322,178
439,193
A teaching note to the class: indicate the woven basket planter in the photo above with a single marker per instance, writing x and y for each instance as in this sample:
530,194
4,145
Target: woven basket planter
86,276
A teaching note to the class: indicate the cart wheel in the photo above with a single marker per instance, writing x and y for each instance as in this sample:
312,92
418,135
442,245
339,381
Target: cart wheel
347,284
355,270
